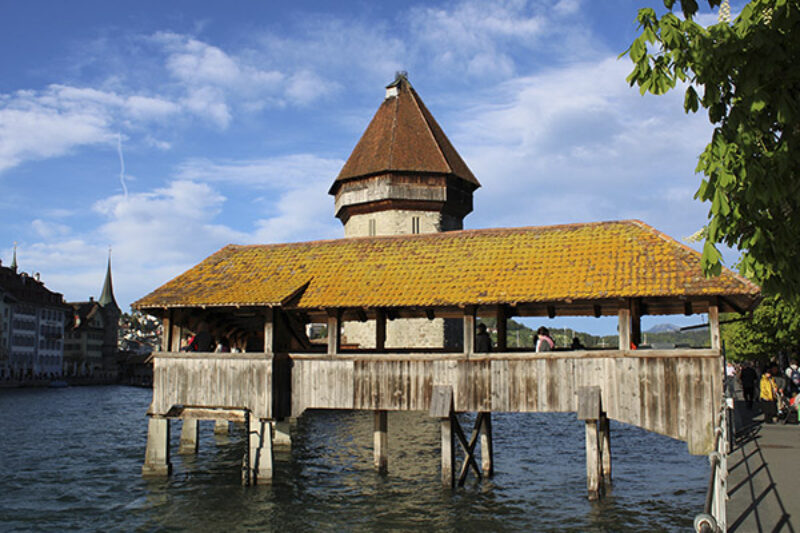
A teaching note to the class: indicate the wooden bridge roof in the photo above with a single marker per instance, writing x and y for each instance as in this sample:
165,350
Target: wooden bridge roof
588,262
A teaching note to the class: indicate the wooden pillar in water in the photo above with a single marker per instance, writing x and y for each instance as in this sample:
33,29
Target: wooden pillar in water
589,410
189,436
442,408
221,427
258,457
605,446
624,327
381,442
156,455
487,453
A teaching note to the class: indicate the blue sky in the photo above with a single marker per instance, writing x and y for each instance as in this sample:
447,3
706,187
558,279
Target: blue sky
166,130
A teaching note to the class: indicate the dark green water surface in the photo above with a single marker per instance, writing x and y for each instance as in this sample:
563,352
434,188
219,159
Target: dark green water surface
70,460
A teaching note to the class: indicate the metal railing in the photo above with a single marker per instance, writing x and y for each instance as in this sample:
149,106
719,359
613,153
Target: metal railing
713,518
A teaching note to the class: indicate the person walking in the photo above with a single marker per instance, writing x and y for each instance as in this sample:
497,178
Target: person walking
768,397
748,378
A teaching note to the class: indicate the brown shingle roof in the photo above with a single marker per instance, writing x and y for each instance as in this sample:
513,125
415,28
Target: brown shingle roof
403,136
536,264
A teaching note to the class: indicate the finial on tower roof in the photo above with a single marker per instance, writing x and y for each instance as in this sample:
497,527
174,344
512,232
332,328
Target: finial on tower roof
14,258
400,78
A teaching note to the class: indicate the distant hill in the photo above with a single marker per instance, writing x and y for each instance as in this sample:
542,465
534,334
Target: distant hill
663,328
659,336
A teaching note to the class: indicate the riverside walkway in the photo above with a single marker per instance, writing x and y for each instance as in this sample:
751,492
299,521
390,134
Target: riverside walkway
763,474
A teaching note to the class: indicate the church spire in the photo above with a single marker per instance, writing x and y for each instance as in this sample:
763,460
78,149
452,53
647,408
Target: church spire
107,297
14,259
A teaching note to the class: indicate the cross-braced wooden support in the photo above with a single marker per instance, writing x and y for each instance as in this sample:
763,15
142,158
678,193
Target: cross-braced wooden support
442,408
598,440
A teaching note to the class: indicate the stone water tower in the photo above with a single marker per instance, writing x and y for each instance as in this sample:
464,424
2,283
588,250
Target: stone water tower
404,177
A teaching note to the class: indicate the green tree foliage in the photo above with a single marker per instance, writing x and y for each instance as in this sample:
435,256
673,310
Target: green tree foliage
774,328
746,74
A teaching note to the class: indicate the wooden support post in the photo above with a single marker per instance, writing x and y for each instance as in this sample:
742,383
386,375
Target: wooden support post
269,330
334,336
624,328
281,435
189,436
605,446
594,472
469,331
156,455
713,325
502,329
636,322
590,411
166,329
221,427
381,442
258,457
442,408
487,453
175,338
380,330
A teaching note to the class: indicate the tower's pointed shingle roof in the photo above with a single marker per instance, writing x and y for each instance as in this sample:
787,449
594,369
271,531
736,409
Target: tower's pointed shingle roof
404,137
107,296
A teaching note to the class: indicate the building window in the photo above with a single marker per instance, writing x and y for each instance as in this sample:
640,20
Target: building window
414,224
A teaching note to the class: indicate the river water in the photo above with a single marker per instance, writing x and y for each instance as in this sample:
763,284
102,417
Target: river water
70,459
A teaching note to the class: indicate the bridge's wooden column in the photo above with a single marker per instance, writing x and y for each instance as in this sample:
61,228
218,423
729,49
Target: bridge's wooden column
189,436
380,330
605,446
624,314
269,330
156,455
487,452
469,330
713,325
166,330
258,457
381,442
636,322
442,408
502,329
334,334
589,410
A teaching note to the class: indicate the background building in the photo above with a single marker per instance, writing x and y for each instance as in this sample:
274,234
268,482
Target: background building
31,326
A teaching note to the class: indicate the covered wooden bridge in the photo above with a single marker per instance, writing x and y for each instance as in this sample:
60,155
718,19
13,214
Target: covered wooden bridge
262,297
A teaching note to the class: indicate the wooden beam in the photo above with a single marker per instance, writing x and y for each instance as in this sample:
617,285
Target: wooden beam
429,314
469,330
269,330
156,455
713,325
624,326
380,330
551,311
361,315
334,336
381,442
259,452
636,322
502,329
687,308
166,330
189,436
442,407
175,336
598,311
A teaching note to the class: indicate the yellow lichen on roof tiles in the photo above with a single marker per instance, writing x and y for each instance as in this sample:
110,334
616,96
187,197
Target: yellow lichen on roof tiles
537,264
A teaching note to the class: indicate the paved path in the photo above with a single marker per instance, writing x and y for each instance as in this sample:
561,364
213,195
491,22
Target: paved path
763,475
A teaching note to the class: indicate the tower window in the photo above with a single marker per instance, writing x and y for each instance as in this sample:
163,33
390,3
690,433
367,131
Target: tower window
414,224
372,231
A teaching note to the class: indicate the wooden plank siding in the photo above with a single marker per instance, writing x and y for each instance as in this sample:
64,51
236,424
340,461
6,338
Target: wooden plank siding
212,380
673,392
